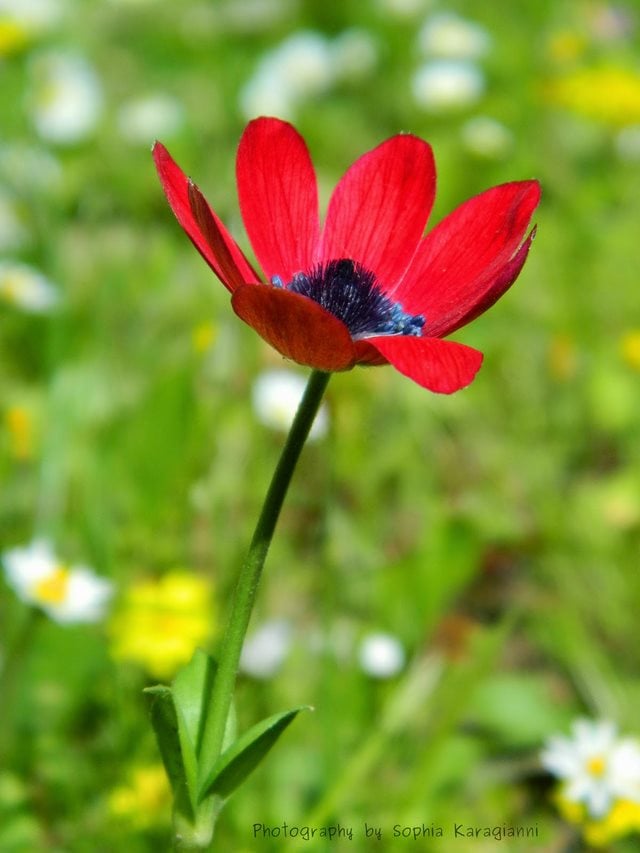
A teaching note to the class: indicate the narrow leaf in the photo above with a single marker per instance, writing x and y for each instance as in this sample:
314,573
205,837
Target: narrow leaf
166,726
191,689
243,756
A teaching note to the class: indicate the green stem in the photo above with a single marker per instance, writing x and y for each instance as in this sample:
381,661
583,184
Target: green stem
9,672
245,592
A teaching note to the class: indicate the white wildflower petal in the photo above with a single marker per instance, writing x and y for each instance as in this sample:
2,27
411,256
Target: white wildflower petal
597,768
247,16
26,565
446,85
594,737
381,655
265,649
449,36
267,93
486,137
299,68
35,16
155,116
27,288
66,97
86,600
354,54
403,8
66,594
276,395
305,59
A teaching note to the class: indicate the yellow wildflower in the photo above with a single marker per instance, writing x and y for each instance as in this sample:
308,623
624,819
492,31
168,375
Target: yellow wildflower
202,336
609,94
630,348
13,37
145,801
162,621
20,427
623,818
566,45
563,358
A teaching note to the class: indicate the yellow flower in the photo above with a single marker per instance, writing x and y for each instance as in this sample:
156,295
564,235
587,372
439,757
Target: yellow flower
162,621
630,348
202,336
13,37
145,801
609,94
563,358
20,427
623,818
566,45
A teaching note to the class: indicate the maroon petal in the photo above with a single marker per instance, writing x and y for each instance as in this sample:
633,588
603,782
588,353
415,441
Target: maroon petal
222,254
296,326
378,211
440,366
470,258
278,197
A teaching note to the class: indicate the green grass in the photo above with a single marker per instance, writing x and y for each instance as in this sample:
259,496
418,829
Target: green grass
494,532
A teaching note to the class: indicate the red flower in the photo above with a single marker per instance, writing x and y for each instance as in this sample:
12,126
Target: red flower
367,287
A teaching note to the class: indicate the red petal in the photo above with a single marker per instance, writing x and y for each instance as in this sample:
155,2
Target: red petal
491,289
278,197
210,230
440,366
176,188
464,264
296,326
378,211
368,355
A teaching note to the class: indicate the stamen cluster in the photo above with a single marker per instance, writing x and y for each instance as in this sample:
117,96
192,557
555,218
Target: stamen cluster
350,292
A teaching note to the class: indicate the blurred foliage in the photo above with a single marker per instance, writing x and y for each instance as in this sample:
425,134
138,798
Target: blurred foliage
495,532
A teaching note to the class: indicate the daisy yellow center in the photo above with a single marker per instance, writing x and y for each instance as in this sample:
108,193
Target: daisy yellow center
351,293
54,588
596,766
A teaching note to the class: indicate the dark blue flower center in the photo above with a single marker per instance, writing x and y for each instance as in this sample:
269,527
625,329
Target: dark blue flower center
350,292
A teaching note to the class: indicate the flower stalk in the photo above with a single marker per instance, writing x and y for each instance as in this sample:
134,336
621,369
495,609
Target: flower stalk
249,578
10,671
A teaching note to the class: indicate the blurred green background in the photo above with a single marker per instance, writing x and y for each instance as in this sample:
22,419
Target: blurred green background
493,535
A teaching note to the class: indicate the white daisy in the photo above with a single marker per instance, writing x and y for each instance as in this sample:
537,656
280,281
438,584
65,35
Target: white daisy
67,594
27,288
66,97
354,54
300,67
595,766
447,84
381,655
276,396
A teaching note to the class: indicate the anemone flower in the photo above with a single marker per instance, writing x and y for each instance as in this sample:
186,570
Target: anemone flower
366,287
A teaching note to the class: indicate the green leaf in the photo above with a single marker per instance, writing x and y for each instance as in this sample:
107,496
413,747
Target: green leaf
164,719
243,756
191,690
